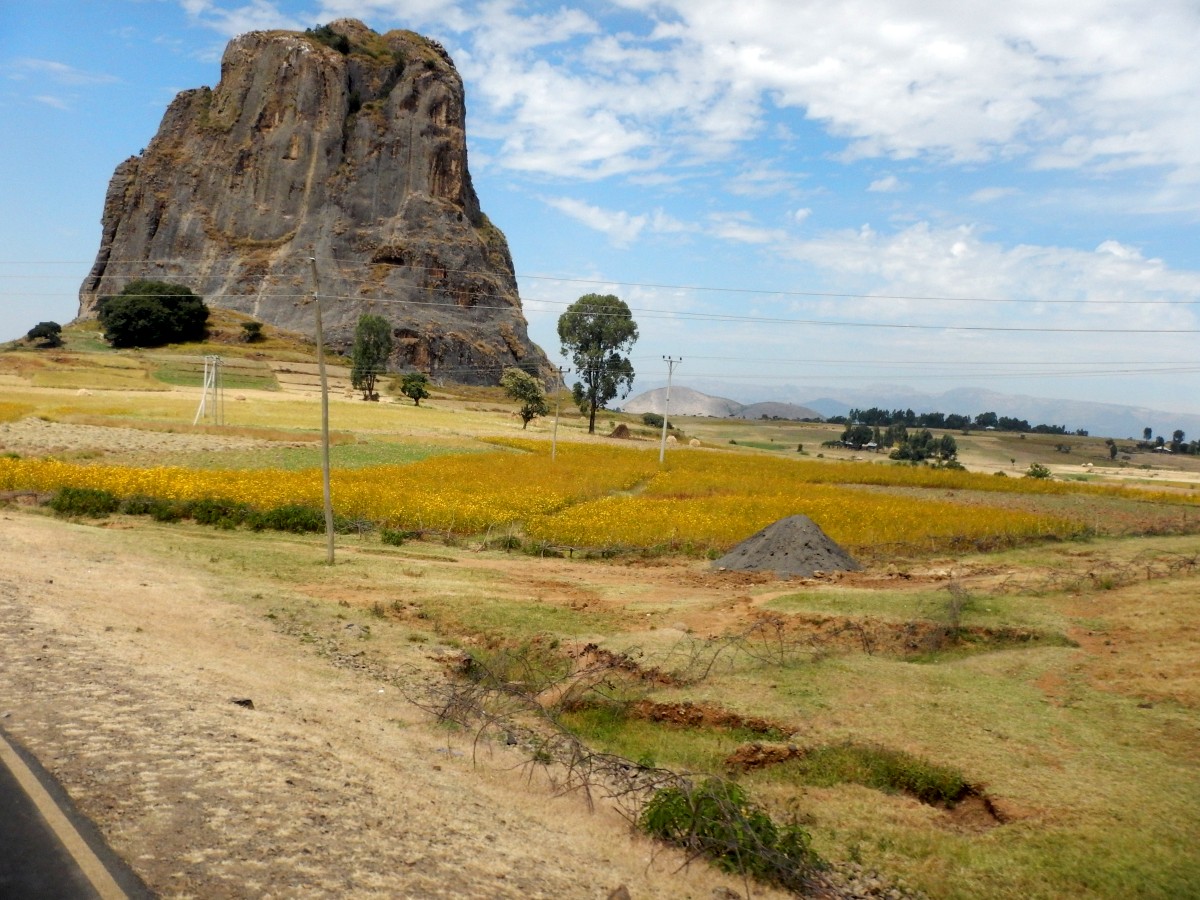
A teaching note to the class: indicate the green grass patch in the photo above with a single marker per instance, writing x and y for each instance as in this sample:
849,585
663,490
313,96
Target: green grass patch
880,768
185,373
609,727
512,622
341,456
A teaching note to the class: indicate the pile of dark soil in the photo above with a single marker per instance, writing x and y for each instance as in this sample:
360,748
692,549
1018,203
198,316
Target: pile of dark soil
792,546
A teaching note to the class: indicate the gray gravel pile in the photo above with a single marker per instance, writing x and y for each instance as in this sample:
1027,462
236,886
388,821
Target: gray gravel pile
795,546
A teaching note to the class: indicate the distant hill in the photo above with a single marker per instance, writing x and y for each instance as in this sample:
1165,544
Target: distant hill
689,402
1098,419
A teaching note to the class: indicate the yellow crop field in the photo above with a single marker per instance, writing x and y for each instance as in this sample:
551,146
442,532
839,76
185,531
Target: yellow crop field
854,518
11,412
594,496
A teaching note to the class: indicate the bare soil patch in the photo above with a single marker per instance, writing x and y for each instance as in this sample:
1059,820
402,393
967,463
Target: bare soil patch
122,676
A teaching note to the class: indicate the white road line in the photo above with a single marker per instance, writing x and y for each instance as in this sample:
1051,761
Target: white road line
87,861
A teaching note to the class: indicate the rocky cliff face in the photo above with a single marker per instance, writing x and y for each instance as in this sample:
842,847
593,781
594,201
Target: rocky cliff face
349,147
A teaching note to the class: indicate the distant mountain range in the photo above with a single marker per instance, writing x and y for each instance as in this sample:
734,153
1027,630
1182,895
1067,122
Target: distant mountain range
688,402
1098,419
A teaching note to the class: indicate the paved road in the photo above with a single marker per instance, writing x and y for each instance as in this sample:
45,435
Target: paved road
48,851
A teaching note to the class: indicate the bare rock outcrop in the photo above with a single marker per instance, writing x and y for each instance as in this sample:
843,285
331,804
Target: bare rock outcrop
350,147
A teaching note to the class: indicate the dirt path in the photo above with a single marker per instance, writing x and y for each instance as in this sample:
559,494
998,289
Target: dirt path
121,677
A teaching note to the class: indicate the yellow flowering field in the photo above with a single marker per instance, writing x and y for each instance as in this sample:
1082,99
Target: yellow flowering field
596,495
855,518
465,494
11,412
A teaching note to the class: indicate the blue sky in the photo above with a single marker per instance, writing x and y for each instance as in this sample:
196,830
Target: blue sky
791,195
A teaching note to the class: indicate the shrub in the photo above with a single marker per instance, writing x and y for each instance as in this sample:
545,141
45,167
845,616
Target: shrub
221,513
655,420
252,332
716,819
166,511
395,537
1037,470
138,505
46,335
293,517
96,504
330,38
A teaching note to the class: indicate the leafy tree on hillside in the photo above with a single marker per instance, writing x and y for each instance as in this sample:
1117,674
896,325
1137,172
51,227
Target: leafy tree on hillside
596,331
923,445
369,355
857,435
46,335
152,313
415,386
525,389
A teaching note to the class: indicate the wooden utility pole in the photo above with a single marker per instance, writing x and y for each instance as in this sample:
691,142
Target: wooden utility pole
559,388
324,416
671,363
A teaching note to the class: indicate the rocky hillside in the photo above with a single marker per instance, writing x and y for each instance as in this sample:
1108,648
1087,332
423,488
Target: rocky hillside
339,144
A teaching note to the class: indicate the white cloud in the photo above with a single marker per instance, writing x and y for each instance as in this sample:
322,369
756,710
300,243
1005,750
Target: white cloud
740,227
56,102
763,179
258,15
887,185
956,277
619,227
991,194
57,72
1103,87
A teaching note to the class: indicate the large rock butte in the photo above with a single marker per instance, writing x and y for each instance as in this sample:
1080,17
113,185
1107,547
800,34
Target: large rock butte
356,158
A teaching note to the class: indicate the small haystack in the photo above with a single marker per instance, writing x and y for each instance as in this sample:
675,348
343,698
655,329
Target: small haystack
792,546
622,431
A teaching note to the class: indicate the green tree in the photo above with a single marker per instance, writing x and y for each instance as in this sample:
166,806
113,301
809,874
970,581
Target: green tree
526,390
46,335
153,313
596,331
369,356
857,435
415,386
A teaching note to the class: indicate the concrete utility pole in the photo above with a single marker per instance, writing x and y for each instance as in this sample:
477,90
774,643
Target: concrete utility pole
559,388
671,363
324,416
